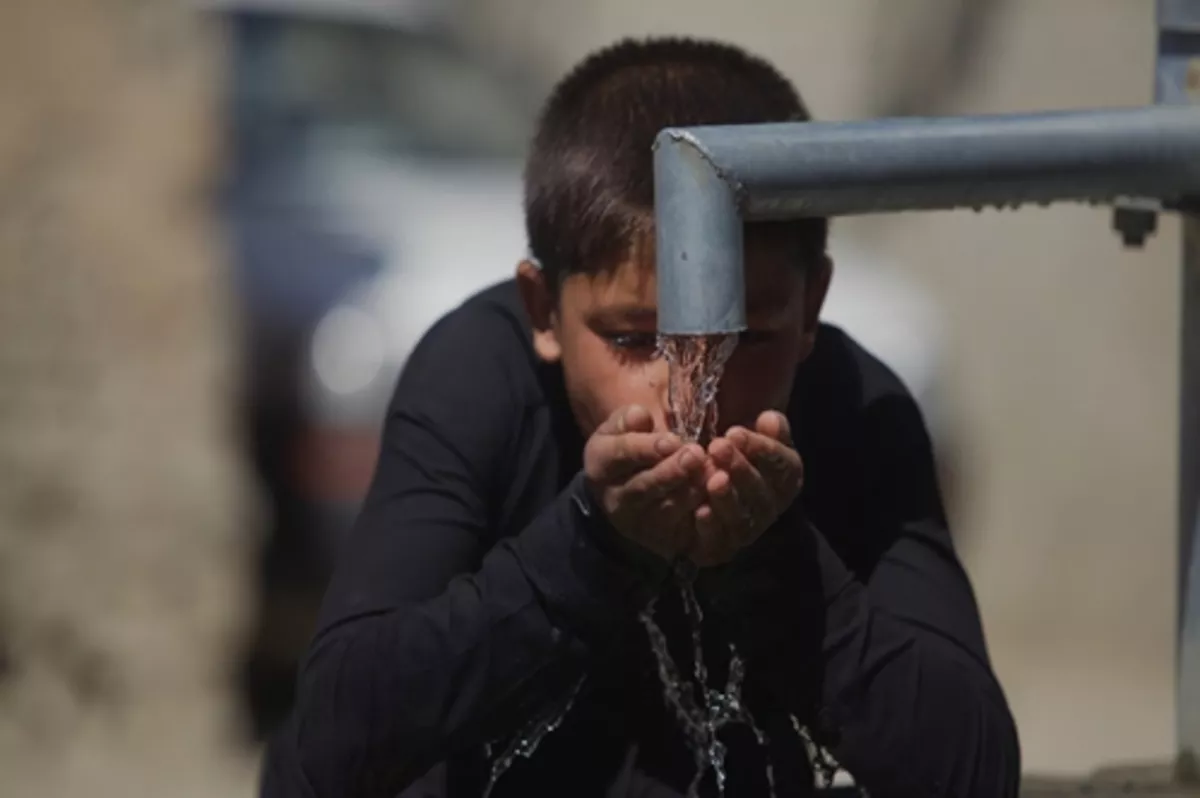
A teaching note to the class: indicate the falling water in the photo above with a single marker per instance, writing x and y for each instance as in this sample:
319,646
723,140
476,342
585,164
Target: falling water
696,363
527,740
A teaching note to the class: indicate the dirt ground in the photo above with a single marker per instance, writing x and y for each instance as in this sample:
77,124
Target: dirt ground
123,508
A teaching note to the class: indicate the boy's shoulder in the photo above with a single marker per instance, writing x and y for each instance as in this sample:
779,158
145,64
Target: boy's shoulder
847,372
485,344
846,398
494,310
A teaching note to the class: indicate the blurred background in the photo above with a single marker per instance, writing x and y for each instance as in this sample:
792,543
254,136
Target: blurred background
224,224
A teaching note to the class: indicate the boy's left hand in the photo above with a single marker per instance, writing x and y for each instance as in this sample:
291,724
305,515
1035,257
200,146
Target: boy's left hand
754,476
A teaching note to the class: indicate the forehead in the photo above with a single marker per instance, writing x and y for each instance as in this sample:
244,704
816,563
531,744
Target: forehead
629,289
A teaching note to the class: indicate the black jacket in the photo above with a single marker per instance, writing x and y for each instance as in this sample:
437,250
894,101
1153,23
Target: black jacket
474,591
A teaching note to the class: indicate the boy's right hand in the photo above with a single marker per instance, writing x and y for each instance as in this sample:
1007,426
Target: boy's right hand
647,482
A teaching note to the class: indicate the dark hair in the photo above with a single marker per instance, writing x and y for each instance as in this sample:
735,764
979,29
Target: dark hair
589,180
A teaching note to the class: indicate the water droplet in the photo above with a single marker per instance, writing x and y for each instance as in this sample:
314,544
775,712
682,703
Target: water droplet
825,767
527,740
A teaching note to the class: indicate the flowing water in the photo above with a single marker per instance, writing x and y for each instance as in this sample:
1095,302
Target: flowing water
825,767
696,364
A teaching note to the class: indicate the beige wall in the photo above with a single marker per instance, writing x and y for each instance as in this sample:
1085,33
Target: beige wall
119,566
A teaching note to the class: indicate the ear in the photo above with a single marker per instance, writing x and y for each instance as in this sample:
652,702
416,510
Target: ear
541,306
816,286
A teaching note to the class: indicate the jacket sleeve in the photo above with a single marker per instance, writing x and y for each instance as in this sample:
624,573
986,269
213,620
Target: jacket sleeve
430,641
886,661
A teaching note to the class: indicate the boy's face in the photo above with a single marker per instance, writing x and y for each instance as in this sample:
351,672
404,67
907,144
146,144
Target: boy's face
603,328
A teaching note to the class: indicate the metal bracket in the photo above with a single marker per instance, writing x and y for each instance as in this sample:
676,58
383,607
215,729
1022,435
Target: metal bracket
1136,221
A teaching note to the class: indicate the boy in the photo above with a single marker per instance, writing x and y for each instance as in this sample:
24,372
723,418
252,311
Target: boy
529,501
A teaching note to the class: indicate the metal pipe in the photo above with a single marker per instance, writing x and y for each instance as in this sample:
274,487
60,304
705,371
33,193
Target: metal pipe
1175,83
708,180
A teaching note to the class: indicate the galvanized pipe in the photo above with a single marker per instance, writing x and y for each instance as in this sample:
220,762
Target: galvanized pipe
708,180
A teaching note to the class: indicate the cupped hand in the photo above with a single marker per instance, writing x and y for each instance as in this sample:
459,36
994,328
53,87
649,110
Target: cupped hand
751,477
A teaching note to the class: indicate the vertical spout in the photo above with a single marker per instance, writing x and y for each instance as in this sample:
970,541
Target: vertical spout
698,229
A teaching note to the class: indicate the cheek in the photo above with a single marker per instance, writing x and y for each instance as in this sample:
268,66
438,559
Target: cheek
757,379
599,382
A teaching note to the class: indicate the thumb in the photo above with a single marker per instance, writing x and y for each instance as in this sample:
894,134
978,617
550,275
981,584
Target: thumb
774,424
633,418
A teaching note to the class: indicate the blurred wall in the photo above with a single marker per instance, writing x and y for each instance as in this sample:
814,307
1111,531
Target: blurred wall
119,566
1064,345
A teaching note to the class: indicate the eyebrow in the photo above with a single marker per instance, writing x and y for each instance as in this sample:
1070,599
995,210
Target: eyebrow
768,305
626,312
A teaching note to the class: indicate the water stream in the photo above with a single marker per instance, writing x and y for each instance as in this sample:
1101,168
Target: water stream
696,364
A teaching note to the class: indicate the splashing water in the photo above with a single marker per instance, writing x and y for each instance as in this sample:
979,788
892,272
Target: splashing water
702,719
825,768
527,740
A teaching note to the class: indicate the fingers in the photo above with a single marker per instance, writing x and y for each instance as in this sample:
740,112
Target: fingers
753,475
778,463
625,444
741,502
749,487
774,425
712,546
633,418
732,519
619,457
669,476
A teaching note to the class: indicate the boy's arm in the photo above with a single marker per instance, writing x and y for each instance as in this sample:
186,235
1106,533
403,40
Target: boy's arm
429,643
907,701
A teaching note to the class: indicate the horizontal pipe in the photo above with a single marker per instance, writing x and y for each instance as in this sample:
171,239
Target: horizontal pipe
833,169
709,179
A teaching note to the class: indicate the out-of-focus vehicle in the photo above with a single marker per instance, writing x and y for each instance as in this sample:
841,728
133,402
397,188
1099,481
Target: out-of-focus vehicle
375,186
368,149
